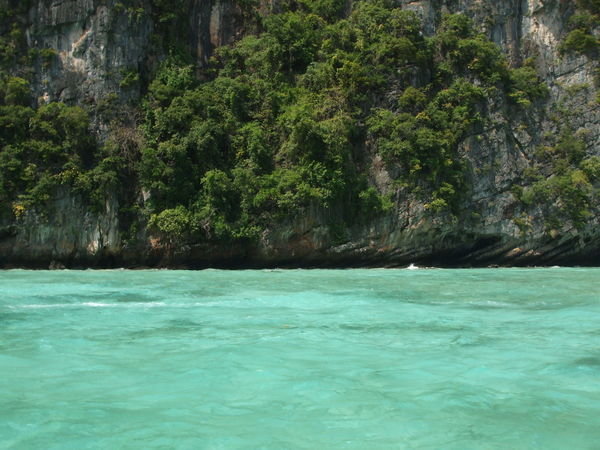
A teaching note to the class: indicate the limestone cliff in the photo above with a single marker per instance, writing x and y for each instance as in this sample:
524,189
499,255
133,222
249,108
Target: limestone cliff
98,43
104,51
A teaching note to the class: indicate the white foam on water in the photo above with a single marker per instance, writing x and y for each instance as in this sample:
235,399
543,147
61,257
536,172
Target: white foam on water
130,305
88,305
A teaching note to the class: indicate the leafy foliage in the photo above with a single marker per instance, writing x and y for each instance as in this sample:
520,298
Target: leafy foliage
277,123
44,148
581,38
568,192
281,123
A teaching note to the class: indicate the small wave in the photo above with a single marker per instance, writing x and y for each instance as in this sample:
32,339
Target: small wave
58,305
89,305
129,305
494,304
122,305
415,267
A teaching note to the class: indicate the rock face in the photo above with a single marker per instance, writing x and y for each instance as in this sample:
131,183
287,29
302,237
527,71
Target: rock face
97,44
69,232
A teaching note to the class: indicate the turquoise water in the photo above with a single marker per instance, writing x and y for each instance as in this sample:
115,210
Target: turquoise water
361,359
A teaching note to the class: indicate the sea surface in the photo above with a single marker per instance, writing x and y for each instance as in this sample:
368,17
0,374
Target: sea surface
316,359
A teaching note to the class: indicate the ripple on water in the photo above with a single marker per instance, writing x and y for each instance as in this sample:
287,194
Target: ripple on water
300,359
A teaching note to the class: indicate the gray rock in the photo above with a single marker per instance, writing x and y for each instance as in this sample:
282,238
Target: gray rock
96,46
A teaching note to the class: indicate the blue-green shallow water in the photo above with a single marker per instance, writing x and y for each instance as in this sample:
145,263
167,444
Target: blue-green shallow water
505,358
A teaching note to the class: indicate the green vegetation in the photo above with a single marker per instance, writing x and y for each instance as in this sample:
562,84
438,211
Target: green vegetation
279,122
45,148
282,122
581,38
129,78
567,191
